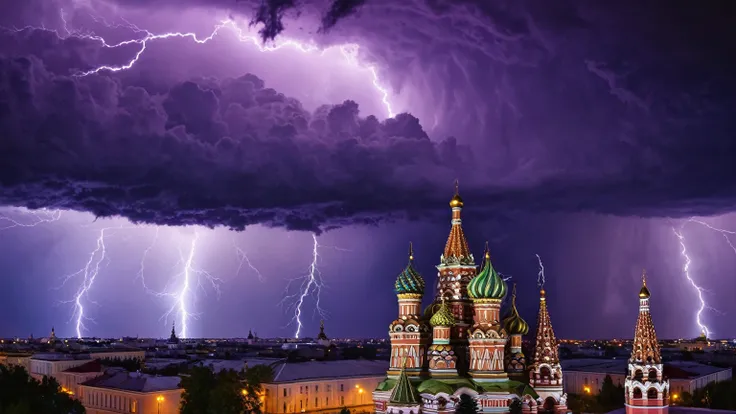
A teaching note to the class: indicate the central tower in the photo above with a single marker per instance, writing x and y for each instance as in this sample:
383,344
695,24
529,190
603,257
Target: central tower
456,269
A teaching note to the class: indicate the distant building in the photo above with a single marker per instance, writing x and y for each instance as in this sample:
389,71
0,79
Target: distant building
51,364
323,386
322,337
70,379
119,391
13,359
585,376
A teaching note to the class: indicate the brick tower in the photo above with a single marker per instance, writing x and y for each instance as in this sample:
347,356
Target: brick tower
456,269
545,374
409,333
647,391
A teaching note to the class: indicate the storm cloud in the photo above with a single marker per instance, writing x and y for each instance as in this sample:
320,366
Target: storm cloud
581,108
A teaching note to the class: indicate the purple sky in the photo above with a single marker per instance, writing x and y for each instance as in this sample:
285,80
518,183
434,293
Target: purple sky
582,133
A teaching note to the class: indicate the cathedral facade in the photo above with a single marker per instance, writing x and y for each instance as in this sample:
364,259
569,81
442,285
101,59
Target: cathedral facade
461,346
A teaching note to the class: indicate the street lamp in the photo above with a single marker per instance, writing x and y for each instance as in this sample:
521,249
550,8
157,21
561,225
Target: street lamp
159,400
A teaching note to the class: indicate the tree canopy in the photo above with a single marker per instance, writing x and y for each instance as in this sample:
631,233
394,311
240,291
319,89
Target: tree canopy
467,405
225,392
21,394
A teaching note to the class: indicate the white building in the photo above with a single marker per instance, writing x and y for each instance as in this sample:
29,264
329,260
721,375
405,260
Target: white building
52,364
123,392
585,376
323,386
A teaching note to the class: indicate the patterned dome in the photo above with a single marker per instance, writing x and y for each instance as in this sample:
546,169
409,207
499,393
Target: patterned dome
442,317
513,322
488,284
409,280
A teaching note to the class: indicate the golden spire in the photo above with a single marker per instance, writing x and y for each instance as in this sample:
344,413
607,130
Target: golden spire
456,200
456,248
513,294
411,251
644,292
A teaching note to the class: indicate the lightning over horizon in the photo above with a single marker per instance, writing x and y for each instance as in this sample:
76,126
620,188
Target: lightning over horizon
686,268
38,217
312,284
349,51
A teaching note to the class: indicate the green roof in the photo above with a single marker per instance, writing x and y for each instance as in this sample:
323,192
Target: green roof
450,385
404,392
409,281
442,317
488,284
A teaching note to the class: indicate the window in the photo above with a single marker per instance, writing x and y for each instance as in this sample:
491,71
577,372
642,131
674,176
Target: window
316,402
284,405
342,400
327,401
329,388
301,405
316,388
342,387
284,394
301,390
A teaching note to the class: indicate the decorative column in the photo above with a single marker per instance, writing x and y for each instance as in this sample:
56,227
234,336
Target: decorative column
545,374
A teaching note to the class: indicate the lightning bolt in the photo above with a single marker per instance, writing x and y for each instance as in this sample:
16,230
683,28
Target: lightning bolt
142,266
191,278
540,275
349,51
89,273
312,284
37,217
245,260
686,268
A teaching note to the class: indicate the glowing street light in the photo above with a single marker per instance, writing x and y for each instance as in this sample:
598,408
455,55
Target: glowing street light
159,400
586,389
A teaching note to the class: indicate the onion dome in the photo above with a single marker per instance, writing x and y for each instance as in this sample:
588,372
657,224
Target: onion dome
644,292
488,284
456,200
409,282
442,317
514,323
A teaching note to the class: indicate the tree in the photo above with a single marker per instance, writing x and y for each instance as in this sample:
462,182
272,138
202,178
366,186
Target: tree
344,410
227,392
611,396
467,405
515,407
21,394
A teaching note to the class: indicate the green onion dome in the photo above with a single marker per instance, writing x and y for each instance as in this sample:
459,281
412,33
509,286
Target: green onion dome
409,280
442,317
488,284
513,322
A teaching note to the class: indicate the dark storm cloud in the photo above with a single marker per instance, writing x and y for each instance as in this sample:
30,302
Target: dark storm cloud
229,152
620,109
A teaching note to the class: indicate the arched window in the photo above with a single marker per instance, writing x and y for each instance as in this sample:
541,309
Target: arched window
549,404
652,394
638,375
544,372
652,375
637,392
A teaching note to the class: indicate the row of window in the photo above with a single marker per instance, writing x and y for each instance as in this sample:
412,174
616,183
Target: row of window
304,389
304,404
116,402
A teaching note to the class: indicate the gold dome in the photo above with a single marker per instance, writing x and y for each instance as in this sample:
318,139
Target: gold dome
644,292
456,201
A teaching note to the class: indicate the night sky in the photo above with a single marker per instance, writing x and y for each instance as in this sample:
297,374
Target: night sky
589,133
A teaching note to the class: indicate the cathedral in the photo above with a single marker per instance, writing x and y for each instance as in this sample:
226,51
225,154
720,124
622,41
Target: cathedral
460,345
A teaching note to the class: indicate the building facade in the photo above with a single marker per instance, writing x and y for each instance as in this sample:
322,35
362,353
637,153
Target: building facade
323,386
460,344
124,392
646,389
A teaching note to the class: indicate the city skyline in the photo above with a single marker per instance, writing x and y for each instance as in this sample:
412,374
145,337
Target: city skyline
186,166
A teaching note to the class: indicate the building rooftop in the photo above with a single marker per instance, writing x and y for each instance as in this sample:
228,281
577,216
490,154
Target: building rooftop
312,370
133,381
673,409
238,364
91,366
673,369
56,356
